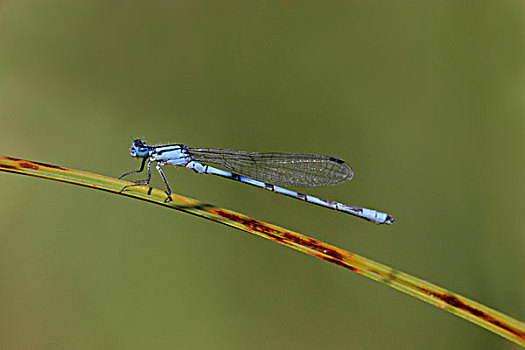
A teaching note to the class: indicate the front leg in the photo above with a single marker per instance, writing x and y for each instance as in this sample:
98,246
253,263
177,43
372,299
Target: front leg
140,182
136,171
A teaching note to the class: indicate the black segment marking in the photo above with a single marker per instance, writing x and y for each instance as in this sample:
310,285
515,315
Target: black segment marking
269,187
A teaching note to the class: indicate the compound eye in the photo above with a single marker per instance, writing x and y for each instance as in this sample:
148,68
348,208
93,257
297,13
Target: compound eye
139,143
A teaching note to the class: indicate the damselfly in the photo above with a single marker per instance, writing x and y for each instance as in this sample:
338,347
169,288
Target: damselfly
264,170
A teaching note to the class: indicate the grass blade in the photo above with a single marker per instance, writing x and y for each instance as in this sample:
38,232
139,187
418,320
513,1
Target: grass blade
470,310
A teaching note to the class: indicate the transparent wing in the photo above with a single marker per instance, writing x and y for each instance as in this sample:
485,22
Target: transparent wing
284,169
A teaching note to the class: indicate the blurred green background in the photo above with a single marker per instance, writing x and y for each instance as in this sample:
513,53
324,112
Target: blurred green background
424,100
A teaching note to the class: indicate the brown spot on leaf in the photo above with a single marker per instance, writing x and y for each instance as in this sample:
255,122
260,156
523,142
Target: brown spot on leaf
323,251
251,224
49,165
28,165
455,302
5,166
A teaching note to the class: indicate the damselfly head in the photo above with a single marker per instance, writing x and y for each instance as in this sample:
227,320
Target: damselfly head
139,149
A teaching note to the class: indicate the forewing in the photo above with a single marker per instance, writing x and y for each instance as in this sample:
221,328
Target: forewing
284,169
